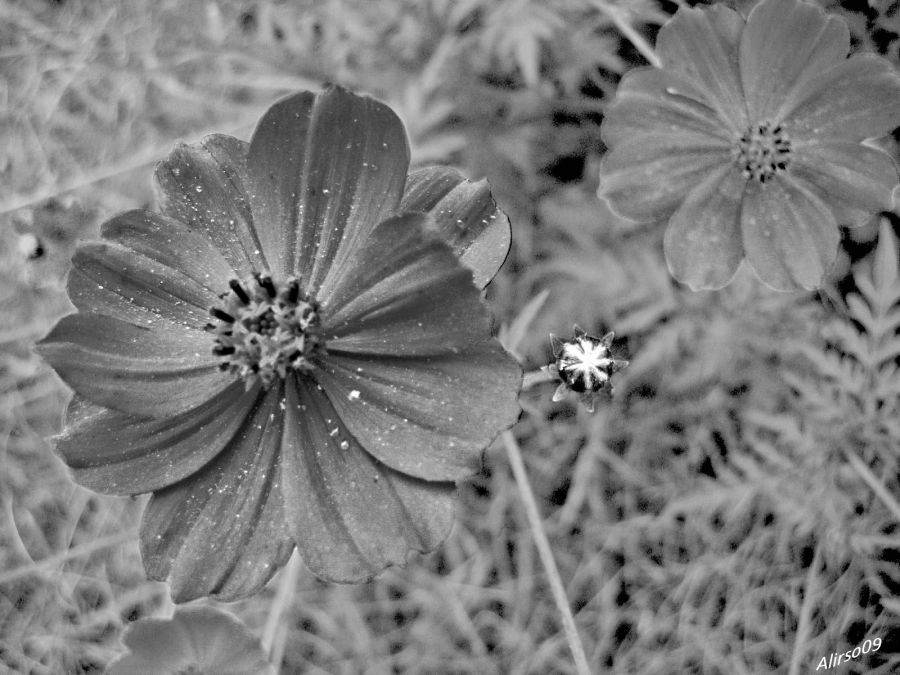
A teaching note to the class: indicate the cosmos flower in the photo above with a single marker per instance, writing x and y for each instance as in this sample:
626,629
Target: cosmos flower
293,352
585,366
198,640
748,140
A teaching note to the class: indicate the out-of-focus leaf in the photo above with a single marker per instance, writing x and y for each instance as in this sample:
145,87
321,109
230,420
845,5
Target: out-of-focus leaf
512,335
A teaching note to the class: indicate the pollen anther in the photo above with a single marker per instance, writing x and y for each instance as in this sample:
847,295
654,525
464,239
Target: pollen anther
763,151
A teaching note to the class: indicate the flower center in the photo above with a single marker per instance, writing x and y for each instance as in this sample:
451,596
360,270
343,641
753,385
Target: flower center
262,332
762,151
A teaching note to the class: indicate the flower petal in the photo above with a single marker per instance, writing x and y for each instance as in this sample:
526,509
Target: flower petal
702,241
108,278
200,637
702,45
351,515
132,369
854,180
325,170
856,99
790,235
221,532
171,242
204,185
114,453
428,417
784,44
650,100
401,292
223,644
156,646
466,216
649,175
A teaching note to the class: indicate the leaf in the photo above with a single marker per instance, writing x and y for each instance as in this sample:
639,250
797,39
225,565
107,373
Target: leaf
886,272
875,308
860,311
511,336
854,368
517,32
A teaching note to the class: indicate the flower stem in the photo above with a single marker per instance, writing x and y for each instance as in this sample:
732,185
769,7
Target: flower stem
810,595
280,602
536,377
545,553
872,481
614,14
55,561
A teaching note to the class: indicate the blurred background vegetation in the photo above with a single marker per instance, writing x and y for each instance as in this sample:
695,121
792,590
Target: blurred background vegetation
732,510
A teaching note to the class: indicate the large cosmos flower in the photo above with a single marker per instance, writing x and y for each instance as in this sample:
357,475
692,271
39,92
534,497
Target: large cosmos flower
748,140
289,353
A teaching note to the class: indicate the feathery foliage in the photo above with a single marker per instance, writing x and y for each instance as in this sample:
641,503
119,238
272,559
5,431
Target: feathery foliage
733,509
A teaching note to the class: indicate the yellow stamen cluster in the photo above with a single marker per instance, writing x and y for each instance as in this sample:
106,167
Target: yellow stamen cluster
263,332
763,151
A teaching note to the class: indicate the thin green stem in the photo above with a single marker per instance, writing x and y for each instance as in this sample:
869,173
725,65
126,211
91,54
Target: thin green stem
545,553
536,377
810,594
872,481
55,561
618,19
81,180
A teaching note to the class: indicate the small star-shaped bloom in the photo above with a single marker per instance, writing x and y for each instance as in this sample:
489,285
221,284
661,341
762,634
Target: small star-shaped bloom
749,142
585,366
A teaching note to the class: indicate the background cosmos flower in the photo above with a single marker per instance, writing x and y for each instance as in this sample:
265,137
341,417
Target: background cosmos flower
198,640
748,140
288,353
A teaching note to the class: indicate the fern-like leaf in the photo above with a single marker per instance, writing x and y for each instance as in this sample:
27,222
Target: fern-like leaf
858,360
877,307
